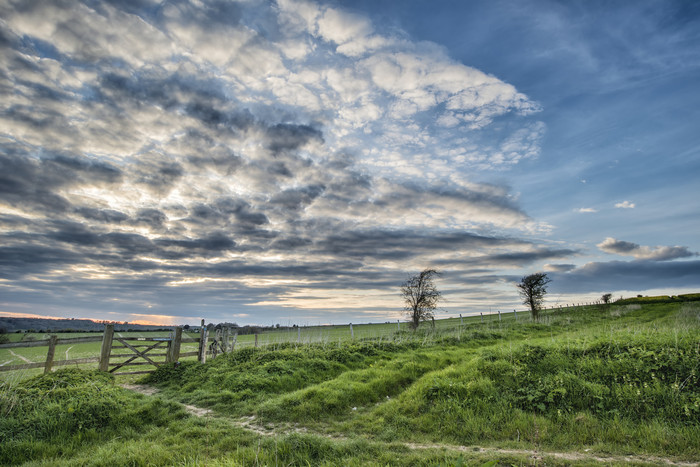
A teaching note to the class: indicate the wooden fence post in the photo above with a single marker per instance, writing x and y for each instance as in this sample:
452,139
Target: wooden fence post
398,324
461,321
256,339
352,333
482,317
204,337
202,350
227,335
298,334
49,355
174,347
499,315
106,347
235,338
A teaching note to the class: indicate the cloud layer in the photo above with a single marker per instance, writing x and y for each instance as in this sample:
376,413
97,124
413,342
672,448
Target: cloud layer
255,148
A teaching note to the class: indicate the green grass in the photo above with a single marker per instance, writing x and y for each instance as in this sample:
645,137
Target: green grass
614,380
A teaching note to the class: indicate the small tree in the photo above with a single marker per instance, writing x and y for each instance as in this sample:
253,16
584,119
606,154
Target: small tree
421,296
532,290
606,298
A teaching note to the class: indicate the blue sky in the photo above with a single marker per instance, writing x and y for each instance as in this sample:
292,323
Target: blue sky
293,161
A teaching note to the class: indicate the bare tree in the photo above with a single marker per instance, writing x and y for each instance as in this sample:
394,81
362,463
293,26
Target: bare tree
421,296
532,290
606,298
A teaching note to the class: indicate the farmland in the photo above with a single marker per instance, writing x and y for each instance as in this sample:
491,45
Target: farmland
612,384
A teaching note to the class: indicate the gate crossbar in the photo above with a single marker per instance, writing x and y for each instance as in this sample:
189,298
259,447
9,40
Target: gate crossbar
138,353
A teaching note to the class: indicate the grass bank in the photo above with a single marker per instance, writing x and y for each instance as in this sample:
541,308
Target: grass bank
577,387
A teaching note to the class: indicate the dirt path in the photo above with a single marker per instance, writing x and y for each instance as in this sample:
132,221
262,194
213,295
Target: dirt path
25,359
250,424
150,390
569,456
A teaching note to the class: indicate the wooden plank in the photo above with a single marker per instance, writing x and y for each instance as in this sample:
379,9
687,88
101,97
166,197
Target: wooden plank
136,363
112,356
45,342
14,345
145,339
136,346
24,366
50,354
78,340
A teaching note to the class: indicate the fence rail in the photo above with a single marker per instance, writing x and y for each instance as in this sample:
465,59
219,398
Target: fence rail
49,363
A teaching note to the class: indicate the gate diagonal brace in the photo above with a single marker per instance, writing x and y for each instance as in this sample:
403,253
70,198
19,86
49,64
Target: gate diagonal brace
138,354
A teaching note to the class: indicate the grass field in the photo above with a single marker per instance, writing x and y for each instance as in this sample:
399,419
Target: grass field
607,385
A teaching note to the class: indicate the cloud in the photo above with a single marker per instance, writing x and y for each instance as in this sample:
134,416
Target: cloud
559,267
658,253
196,147
586,210
625,205
627,275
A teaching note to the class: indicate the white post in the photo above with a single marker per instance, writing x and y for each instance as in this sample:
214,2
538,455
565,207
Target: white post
352,333
298,333
461,321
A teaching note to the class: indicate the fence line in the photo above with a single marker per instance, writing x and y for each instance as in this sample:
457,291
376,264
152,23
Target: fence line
139,350
49,362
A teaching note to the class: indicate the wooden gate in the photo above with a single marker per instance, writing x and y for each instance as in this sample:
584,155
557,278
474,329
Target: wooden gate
137,351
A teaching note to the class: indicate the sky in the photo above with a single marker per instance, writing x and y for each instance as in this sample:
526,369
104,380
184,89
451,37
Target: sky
294,162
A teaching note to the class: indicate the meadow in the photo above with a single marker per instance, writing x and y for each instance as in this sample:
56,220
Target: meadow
607,385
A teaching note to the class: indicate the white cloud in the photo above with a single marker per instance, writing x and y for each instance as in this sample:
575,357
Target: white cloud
625,205
657,253
587,210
